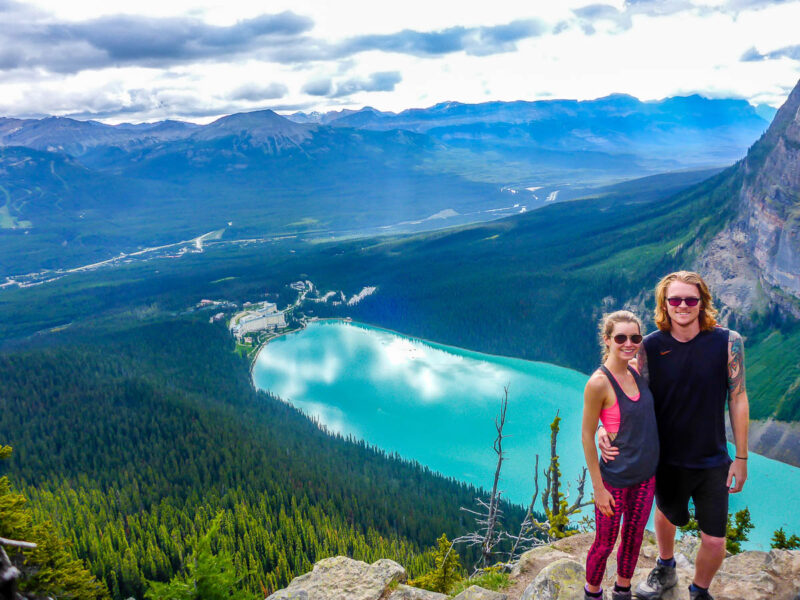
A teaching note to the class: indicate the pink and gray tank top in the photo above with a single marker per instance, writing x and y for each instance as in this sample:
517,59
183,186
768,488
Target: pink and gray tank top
637,438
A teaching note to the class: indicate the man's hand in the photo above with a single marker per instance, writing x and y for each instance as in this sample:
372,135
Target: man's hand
737,472
607,451
604,501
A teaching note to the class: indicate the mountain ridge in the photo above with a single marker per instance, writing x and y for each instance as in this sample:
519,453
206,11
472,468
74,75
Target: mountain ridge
755,260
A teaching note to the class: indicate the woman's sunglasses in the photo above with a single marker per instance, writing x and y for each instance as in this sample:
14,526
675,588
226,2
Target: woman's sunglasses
620,338
675,301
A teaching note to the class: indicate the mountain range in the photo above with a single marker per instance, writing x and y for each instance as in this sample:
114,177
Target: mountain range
134,422
78,192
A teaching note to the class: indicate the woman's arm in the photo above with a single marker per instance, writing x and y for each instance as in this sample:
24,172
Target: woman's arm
594,396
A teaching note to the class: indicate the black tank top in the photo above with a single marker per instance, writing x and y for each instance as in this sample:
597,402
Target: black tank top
689,381
637,438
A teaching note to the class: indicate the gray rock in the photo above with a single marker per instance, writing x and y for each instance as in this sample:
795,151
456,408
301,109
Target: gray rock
475,592
534,560
561,580
406,592
290,595
688,545
745,563
727,586
340,577
784,567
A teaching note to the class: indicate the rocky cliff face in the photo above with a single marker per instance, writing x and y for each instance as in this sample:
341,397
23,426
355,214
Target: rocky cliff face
755,260
776,439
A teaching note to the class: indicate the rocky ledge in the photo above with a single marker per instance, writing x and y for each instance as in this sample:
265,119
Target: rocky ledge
555,572
342,578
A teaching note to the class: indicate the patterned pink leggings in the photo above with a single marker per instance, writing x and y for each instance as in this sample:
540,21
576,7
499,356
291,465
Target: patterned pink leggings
634,503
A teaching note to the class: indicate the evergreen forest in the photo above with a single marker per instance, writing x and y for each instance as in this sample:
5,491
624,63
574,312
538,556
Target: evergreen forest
132,440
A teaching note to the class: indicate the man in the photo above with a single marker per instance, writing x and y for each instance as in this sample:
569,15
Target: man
692,366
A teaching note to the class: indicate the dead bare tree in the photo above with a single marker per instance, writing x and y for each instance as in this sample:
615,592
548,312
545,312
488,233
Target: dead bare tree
527,536
532,532
489,513
556,509
9,574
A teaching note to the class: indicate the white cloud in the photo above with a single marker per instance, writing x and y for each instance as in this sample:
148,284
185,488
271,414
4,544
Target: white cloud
211,60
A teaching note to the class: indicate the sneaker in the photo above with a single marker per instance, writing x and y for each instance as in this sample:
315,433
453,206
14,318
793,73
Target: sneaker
659,580
698,595
617,595
586,596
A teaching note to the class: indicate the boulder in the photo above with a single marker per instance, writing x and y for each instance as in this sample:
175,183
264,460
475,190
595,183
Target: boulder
341,577
784,566
406,592
475,592
745,563
774,574
727,586
561,580
534,560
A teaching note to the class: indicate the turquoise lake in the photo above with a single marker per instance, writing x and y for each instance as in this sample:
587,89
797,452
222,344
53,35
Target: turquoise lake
436,404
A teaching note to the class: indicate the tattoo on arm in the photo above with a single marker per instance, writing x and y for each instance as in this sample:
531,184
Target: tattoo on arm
735,364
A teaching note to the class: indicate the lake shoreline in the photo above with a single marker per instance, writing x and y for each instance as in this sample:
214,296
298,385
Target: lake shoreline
399,393
284,333
763,445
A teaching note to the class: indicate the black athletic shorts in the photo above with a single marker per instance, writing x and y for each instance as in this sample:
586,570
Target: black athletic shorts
707,487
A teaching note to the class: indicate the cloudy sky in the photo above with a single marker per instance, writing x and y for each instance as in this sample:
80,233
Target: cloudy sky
154,59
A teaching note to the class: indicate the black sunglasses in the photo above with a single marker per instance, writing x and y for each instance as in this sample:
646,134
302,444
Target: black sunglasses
620,338
675,301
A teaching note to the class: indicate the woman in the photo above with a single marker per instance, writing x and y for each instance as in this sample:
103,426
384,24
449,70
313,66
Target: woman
623,489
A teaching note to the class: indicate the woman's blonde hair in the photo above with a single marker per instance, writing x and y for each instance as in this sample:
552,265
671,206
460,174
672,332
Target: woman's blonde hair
607,326
707,310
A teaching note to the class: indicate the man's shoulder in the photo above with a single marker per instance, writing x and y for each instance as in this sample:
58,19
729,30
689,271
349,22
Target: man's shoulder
731,334
723,333
655,338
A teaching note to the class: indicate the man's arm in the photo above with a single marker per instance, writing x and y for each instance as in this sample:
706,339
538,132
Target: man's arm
641,363
739,408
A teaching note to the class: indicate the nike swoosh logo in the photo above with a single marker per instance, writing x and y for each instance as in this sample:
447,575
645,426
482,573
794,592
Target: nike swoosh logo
665,352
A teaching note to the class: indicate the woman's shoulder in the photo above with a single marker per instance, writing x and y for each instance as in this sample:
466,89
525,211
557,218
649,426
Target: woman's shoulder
598,383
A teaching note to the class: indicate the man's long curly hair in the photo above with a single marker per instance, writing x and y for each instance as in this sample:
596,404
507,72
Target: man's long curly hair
707,311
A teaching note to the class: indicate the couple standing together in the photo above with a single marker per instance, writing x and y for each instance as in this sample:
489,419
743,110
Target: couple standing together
662,435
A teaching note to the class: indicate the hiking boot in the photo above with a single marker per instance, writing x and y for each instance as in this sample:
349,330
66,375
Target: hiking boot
698,595
659,580
618,595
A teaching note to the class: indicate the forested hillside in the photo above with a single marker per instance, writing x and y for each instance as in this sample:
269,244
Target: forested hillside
133,422
532,286
132,439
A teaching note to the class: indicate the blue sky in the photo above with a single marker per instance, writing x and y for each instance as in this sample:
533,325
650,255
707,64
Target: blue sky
152,60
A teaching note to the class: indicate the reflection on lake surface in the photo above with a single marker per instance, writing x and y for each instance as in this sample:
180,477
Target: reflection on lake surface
436,404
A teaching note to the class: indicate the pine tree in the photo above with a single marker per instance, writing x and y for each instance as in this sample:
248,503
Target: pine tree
781,542
208,576
448,569
737,529
737,532
48,569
